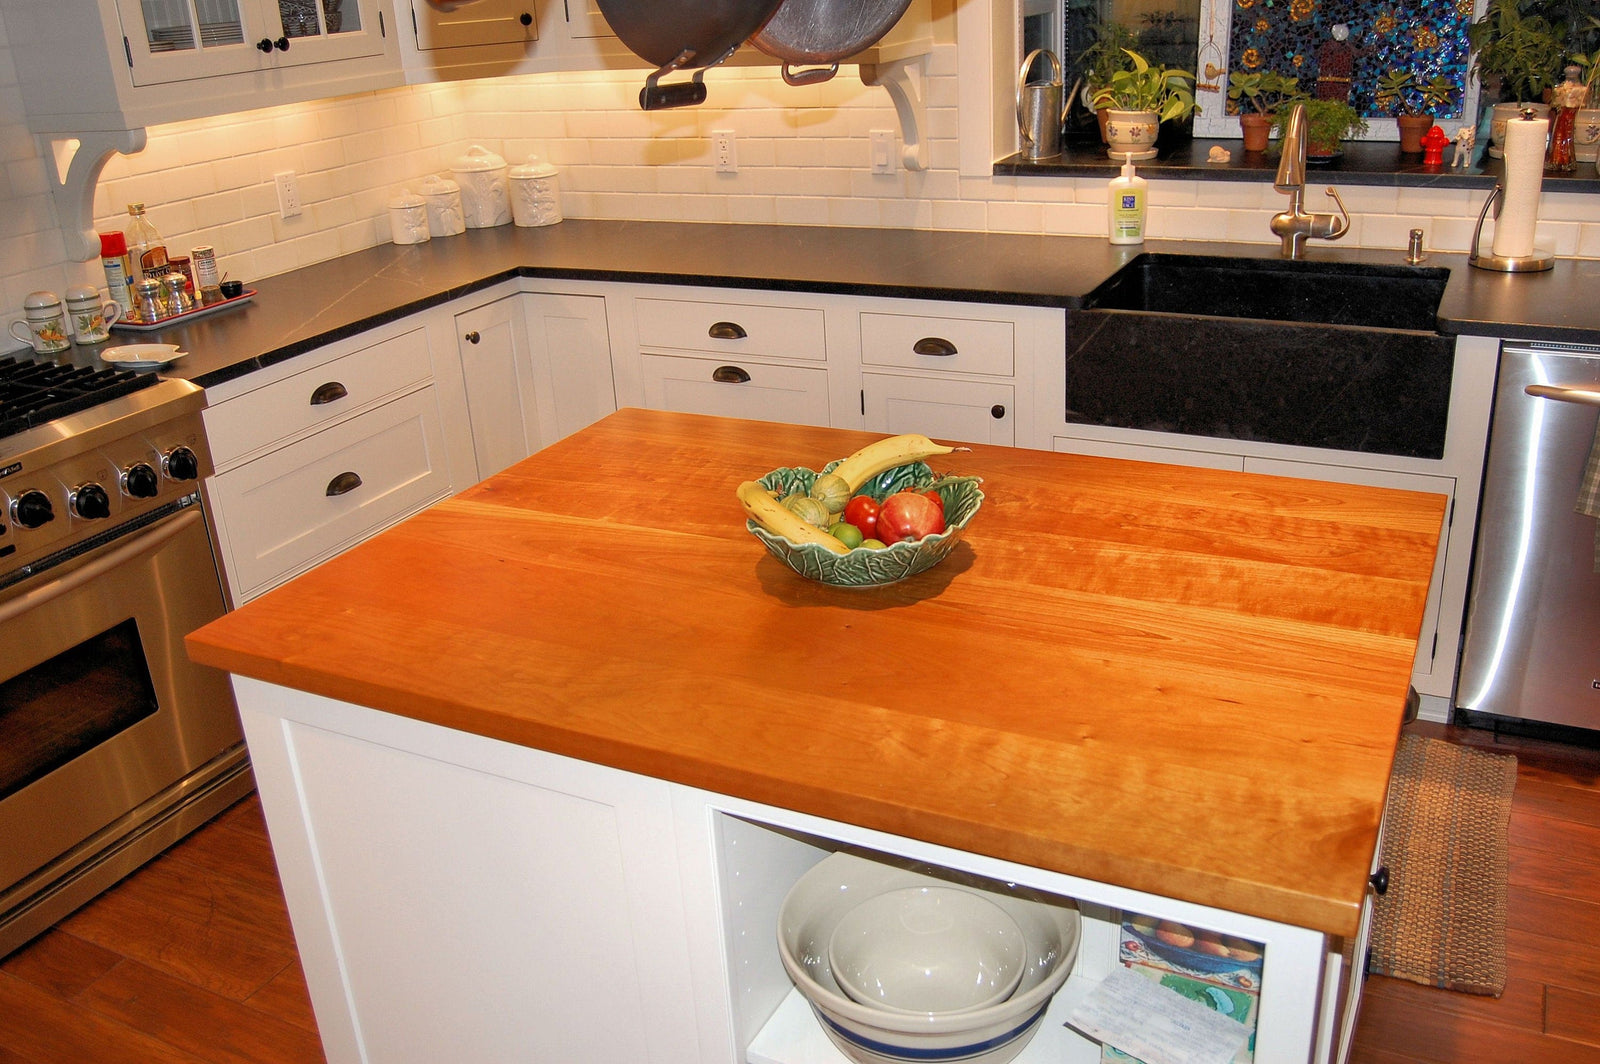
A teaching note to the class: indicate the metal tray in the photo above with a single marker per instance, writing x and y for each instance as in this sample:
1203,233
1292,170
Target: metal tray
188,315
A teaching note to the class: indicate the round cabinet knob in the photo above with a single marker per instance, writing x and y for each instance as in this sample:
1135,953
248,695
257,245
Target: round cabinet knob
997,411
1380,880
181,464
525,18
91,501
281,44
264,44
141,481
32,509
472,337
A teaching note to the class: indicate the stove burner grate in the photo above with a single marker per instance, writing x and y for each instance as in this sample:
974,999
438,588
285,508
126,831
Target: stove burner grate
33,393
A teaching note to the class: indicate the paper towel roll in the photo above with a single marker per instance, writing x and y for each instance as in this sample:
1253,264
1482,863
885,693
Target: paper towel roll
1524,169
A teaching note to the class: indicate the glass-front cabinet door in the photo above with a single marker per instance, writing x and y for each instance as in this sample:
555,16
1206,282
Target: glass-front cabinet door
180,40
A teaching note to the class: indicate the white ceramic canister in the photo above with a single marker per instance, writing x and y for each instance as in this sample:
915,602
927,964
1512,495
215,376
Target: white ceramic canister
535,193
91,316
443,199
43,324
408,218
485,198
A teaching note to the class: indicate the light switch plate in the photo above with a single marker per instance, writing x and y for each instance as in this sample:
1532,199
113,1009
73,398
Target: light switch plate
883,151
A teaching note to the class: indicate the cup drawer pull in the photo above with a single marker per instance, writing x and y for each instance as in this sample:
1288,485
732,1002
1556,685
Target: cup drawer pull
934,345
328,393
343,483
730,375
726,330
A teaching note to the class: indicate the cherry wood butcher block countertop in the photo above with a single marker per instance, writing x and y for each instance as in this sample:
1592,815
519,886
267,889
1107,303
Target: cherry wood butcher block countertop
1183,681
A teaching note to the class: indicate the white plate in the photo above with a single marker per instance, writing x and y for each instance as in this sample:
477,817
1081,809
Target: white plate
142,356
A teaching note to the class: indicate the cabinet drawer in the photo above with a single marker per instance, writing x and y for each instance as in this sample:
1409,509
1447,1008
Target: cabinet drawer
796,394
956,345
313,397
732,329
276,516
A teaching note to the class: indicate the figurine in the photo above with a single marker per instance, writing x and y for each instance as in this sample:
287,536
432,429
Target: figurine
1466,137
1433,142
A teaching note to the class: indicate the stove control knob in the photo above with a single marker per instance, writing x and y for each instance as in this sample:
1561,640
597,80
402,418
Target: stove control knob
181,464
90,501
141,481
32,509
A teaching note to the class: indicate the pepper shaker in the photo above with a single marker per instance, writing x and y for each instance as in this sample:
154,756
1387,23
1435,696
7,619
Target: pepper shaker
178,301
148,304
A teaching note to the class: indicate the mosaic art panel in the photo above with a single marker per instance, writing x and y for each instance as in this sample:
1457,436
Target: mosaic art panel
1297,38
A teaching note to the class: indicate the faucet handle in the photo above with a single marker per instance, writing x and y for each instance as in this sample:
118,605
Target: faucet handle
1341,224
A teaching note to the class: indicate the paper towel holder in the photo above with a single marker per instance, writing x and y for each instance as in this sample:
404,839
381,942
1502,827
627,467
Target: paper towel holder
1539,260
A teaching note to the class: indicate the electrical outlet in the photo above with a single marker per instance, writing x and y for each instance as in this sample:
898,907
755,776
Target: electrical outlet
883,151
724,151
288,194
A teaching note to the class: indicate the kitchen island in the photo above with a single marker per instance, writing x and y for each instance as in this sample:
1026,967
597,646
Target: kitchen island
540,762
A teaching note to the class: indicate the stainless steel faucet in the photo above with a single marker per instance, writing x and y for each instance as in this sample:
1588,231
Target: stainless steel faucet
1295,225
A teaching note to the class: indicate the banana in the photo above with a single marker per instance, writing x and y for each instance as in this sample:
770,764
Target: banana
887,453
778,519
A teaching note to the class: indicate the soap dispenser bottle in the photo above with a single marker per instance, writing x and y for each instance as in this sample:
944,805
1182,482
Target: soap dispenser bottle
1125,202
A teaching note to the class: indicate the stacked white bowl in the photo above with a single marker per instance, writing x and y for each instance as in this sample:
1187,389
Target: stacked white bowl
901,966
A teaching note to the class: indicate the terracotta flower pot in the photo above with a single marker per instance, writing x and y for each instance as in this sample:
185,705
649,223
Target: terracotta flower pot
1412,129
1257,130
1131,134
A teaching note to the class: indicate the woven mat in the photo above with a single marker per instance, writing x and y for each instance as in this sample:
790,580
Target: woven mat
1443,921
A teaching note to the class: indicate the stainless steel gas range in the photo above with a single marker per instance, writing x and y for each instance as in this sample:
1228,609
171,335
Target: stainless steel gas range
112,744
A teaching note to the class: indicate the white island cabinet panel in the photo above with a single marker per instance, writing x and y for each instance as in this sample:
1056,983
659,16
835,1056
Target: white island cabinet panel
460,898
472,901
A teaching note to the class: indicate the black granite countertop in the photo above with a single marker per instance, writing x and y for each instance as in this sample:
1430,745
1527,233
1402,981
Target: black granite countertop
307,308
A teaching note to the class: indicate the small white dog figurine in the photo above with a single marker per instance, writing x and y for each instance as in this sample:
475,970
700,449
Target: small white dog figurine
1466,137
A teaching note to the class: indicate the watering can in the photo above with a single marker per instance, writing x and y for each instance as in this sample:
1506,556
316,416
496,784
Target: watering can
1039,108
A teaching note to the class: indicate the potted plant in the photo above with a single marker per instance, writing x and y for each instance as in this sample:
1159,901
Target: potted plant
1138,100
1517,57
1328,123
1586,135
1113,44
1412,105
1257,95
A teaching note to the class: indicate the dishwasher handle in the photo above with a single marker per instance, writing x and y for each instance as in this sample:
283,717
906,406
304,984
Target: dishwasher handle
1565,393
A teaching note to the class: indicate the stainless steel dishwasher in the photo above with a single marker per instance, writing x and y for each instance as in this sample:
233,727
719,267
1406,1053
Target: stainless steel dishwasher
1532,647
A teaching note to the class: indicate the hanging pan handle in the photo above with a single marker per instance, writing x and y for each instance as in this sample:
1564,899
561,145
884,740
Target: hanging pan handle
793,75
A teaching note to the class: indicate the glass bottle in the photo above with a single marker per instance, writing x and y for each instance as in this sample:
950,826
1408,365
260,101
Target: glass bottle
1565,99
149,251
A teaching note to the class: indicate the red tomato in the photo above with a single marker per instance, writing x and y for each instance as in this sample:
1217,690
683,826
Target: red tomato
909,515
862,511
937,499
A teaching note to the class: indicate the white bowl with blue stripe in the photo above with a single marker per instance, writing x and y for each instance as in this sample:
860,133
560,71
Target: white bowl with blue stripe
994,1034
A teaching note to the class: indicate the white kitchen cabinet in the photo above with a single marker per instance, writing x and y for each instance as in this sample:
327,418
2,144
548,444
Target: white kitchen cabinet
456,897
492,38
946,376
122,64
537,367
318,453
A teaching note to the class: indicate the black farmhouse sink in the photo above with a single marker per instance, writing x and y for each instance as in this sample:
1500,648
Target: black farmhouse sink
1341,356
1329,293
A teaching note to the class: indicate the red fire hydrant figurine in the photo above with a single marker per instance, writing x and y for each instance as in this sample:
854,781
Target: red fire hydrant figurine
1433,145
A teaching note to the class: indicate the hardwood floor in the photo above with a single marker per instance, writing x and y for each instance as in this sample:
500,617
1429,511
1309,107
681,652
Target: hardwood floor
190,960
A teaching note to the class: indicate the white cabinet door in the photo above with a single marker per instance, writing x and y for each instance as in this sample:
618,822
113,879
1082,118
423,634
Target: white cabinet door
795,394
457,899
478,23
501,397
971,411
181,40
569,344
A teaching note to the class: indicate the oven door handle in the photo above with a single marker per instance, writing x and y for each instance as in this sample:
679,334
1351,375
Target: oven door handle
141,544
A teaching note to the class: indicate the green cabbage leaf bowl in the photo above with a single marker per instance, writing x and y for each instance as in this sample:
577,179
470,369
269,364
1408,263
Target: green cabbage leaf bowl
870,568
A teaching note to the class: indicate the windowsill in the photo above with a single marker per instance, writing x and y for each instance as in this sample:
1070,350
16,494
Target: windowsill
1363,163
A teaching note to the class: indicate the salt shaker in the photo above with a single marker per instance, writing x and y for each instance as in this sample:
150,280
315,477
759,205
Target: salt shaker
149,305
178,299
